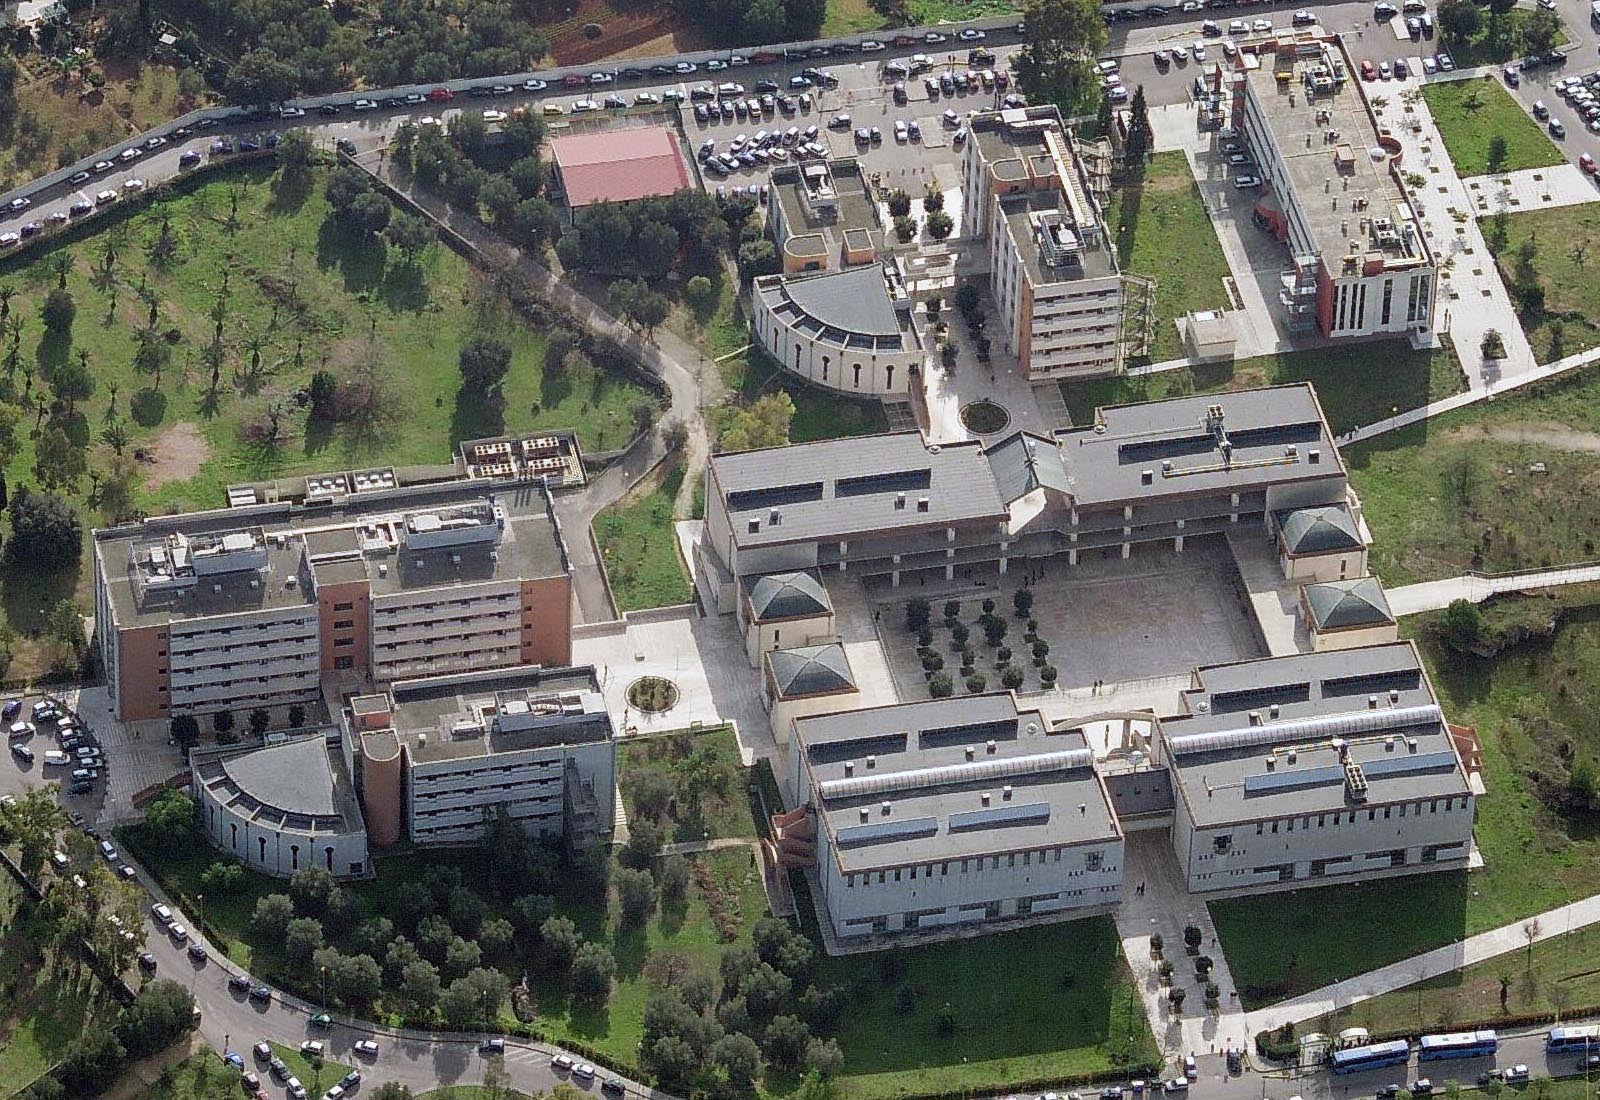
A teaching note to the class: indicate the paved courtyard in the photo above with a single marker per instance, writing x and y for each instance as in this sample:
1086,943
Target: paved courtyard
1154,615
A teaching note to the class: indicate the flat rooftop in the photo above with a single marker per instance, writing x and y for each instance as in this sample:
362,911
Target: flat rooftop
942,767
1204,443
299,785
1052,251
476,714
1331,153
272,556
827,199
1293,711
839,487
1000,139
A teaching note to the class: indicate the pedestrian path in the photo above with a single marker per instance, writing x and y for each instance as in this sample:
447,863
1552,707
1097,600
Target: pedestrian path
1412,599
1386,979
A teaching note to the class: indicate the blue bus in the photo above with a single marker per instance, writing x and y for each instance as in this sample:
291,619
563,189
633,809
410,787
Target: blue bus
1577,1039
1396,1052
1458,1044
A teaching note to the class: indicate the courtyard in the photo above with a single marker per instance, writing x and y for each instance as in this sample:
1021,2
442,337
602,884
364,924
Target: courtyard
1156,614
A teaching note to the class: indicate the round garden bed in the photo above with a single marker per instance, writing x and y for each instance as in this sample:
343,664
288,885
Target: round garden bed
653,694
985,417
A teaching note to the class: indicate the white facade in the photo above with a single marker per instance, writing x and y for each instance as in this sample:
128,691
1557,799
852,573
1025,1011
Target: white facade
1066,329
256,659
447,800
280,851
830,357
433,631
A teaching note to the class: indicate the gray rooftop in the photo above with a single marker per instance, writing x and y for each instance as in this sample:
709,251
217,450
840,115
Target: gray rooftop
299,785
1326,529
792,595
480,714
1301,123
1375,698
1023,462
827,200
810,670
271,556
1348,604
836,488
851,307
1263,437
1040,226
914,757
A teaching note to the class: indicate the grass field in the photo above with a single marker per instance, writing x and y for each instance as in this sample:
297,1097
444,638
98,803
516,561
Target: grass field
313,299
1163,232
1532,706
1495,41
707,761
1357,384
1455,493
1039,1002
637,544
1562,241
1471,113
316,1075
198,1077
1558,975
46,1000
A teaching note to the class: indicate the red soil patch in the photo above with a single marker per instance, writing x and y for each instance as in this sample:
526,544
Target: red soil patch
625,30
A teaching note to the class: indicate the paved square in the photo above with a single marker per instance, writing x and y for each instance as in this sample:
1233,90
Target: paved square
1156,614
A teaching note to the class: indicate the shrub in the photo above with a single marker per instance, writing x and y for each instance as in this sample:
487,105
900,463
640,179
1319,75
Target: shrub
1047,675
940,687
917,613
1176,995
1003,655
1033,626
959,635
976,682
932,663
1156,943
1011,677
1041,650
1192,938
952,609
1022,600
988,607
994,630
924,637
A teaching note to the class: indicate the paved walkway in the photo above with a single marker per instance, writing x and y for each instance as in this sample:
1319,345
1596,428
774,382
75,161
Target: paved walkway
721,843
1531,189
1473,949
1413,599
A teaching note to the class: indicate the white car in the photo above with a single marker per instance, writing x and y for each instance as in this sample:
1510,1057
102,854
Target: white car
737,60
134,184
870,46
1245,183
291,112
562,1062
11,240
21,203
1262,26
296,1090
494,115
972,34
716,65
364,105
161,913
901,133
367,1047
178,932
1107,65
130,154
108,195
683,68
646,98
1199,51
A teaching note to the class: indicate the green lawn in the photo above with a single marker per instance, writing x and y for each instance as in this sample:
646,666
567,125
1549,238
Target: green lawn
1559,975
1532,706
1496,41
849,17
1357,384
1553,248
637,543
315,299
46,1000
702,764
316,1075
1455,493
1055,1000
1163,232
1471,113
818,413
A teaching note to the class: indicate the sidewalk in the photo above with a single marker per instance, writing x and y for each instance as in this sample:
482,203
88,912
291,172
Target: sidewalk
1474,949
1412,599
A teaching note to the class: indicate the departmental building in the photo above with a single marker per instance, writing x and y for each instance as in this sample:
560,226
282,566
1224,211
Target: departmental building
1334,192
921,816
350,577
438,757
1313,768
1052,266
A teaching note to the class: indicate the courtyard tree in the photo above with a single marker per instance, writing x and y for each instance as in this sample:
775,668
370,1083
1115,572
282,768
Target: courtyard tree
1022,600
636,895
1460,20
259,720
592,970
185,730
940,685
273,914
1056,65
168,821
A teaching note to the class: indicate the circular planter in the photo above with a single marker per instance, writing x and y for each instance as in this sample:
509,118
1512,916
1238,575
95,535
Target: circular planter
653,694
985,418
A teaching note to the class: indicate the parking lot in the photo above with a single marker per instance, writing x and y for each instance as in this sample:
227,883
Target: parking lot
51,744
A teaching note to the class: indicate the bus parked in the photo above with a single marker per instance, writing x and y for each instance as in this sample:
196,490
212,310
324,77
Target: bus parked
1396,1052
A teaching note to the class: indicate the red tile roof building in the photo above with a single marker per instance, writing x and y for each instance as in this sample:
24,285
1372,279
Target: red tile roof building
620,165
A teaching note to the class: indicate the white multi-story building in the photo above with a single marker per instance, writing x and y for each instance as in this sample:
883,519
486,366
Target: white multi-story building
951,812
1294,771
1052,267
1334,192
438,757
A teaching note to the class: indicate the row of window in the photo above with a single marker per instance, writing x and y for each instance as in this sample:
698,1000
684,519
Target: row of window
1092,861
187,635
1349,817
391,610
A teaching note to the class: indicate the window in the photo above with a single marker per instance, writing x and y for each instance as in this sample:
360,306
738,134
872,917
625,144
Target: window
233,835
888,377
824,366
348,605
1388,300
344,624
858,376
263,841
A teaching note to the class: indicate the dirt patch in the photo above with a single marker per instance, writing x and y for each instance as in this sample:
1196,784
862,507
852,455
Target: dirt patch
1560,439
626,30
176,455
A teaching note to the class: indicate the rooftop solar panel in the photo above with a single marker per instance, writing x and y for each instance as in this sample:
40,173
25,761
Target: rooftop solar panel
903,481
883,832
1292,779
746,500
997,817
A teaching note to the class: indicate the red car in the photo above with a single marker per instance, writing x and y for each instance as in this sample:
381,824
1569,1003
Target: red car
1586,162
1369,71
574,80
441,95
